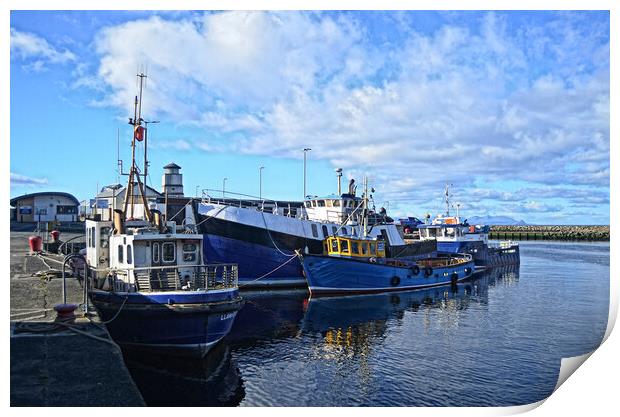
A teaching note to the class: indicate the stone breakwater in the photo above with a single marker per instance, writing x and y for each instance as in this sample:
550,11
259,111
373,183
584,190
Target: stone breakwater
531,232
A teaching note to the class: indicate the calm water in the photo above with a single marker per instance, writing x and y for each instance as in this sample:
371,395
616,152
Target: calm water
496,341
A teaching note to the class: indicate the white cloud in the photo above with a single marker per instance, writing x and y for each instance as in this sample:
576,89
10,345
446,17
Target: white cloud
36,51
20,180
457,104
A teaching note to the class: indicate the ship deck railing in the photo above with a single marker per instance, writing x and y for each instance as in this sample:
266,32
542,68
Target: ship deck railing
178,277
437,262
248,201
505,244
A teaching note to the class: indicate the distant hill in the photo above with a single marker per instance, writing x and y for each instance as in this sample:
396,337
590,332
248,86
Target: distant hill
495,220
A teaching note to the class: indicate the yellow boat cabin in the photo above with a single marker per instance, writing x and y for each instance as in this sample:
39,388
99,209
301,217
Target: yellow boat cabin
354,247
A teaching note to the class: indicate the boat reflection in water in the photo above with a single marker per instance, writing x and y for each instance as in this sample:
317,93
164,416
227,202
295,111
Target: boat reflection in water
279,326
348,324
172,381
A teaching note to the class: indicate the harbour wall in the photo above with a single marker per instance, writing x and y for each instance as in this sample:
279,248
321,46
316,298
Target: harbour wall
534,232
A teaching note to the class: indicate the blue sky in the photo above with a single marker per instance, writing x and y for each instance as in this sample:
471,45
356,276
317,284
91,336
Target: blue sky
512,108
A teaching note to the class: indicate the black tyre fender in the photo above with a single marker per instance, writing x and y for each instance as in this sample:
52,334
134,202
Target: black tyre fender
395,281
415,270
428,271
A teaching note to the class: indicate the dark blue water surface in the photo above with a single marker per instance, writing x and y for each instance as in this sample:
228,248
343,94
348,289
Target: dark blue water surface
495,341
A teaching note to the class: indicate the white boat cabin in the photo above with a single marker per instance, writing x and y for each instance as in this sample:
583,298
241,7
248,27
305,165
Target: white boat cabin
142,248
332,208
452,229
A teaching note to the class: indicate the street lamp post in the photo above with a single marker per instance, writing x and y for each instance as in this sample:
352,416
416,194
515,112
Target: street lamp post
224,187
260,182
305,151
146,135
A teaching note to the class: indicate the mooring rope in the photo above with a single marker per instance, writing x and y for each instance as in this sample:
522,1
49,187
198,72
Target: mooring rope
270,237
210,216
270,272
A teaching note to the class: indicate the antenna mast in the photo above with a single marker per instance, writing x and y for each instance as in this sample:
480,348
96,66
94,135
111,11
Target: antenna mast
365,212
447,195
134,172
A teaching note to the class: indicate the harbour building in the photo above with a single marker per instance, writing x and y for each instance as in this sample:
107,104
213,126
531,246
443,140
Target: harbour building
44,207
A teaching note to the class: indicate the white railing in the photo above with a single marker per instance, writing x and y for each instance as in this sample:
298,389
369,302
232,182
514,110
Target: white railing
170,278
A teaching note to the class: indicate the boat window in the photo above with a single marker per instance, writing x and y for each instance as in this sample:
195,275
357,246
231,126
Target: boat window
104,232
328,203
155,253
321,203
334,230
336,203
372,249
129,255
325,232
355,248
343,231
168,254
120,253
308,204
189,252
334,245
354,231
365,248
315,231
344,246
313,203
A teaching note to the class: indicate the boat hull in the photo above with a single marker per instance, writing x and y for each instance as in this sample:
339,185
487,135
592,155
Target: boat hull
172,322
331,275
260,266
482,254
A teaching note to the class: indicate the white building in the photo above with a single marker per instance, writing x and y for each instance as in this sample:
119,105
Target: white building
112,197
45,207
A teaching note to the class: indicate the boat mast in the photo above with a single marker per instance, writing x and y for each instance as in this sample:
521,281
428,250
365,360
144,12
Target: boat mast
447,196
136,122
365,213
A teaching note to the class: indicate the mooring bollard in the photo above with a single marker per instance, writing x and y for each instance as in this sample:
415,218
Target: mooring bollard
66,311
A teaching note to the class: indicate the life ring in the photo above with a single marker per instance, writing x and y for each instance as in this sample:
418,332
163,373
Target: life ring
454,278
415,270
428,271
395,280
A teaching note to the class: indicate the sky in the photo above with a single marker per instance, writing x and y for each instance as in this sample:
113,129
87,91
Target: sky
510,107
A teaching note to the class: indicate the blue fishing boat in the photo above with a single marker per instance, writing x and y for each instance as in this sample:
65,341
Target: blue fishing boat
147,276
352,264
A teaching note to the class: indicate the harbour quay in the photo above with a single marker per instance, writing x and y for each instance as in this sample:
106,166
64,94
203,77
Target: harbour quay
73,363
534,232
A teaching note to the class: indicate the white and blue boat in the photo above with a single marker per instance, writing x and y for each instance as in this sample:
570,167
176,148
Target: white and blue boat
148,278
454,235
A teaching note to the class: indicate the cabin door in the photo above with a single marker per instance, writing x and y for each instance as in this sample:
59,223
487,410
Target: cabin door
163,254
